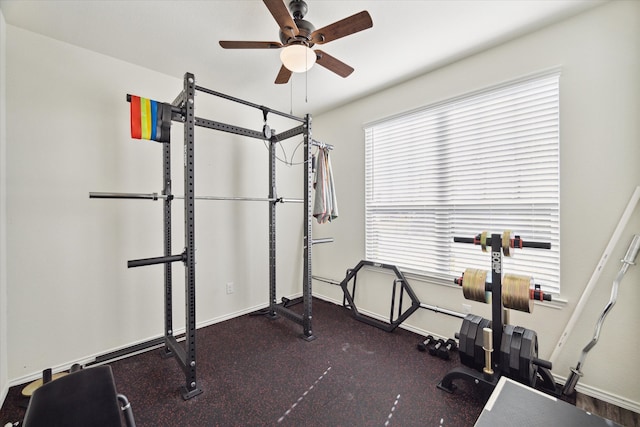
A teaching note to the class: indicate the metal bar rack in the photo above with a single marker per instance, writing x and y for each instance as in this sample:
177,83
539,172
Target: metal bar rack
497,244
182,110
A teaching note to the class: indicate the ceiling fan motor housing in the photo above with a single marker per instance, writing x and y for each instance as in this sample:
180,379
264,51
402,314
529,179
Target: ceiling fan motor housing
298,9
305,29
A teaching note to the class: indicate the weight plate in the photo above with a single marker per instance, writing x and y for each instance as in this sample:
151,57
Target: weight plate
505,347
514,354
479,355
528,351
468,358
464,331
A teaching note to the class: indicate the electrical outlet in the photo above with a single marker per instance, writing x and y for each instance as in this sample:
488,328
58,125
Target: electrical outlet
230,288
466,308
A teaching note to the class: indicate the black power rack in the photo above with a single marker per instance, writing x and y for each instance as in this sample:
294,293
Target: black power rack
182,110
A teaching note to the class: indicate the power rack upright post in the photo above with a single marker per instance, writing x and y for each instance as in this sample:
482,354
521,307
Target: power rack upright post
182,109
276,308
185,355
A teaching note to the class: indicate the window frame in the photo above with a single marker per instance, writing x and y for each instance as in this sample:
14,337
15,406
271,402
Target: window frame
551,282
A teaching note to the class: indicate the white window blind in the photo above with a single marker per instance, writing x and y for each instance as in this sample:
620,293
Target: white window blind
487,161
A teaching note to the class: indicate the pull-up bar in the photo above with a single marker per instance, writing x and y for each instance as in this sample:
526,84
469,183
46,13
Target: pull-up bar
177,114
264,109
250,104
244,131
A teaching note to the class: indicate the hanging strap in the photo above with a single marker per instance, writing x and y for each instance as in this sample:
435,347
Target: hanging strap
325,203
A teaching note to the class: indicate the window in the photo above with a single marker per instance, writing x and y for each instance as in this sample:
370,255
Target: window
487,161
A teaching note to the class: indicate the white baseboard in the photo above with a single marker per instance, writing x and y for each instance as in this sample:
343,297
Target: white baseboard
609,398
91,358
3,394
384,319
229,316
602,395
584,389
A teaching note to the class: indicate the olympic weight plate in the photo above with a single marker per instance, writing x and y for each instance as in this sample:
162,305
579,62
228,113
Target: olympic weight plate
478,352
528,351
514,354
471,341
462,338
467,357
505,347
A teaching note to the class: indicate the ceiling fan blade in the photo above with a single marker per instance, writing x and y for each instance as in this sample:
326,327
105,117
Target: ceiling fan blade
283,76
282,17
352,24
333,64
231,44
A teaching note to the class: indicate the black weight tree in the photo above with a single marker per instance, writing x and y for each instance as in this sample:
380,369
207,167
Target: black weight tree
497,312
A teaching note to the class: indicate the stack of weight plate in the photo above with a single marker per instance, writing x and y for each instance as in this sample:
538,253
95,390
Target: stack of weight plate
518,349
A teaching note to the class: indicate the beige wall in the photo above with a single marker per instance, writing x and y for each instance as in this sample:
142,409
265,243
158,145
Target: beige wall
599,55
4,379
69,291
71,294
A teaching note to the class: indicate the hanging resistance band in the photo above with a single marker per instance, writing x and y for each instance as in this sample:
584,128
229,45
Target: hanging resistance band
150,119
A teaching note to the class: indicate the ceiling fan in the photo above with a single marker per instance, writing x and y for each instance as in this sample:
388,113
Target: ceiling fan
298,36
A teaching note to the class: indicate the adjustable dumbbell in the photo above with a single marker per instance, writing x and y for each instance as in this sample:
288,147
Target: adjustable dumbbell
422,346
443,351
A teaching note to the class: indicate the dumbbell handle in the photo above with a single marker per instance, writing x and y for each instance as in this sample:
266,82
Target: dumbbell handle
423,345
433,350
427,341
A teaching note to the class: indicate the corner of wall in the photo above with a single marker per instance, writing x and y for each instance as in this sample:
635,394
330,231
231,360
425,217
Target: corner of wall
4,381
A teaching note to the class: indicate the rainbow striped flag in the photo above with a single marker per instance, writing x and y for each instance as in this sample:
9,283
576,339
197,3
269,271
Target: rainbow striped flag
150,119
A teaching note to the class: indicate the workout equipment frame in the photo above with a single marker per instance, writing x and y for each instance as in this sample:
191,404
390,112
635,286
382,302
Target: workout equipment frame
396,316
395,319
492,373
606,255
183,111
628,260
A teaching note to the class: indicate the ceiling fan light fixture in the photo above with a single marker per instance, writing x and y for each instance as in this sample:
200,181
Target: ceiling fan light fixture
298,58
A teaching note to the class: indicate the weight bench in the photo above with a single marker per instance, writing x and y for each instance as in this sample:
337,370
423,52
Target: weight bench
515,404
87,397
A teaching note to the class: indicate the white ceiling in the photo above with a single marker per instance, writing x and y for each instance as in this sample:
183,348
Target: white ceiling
408,38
